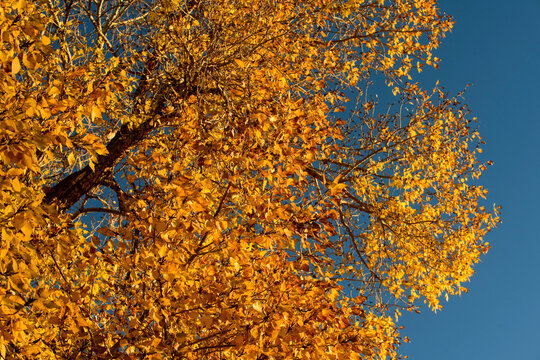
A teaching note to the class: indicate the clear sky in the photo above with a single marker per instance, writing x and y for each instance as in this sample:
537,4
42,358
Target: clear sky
495,45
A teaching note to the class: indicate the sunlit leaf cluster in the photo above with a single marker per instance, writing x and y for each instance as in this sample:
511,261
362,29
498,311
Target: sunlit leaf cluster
215,179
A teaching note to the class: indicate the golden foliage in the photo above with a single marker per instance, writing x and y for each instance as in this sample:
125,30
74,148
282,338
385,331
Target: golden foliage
193,179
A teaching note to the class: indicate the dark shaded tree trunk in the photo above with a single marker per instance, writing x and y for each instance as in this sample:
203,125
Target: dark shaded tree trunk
72,188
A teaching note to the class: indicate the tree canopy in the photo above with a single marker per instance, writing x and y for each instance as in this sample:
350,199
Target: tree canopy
209,179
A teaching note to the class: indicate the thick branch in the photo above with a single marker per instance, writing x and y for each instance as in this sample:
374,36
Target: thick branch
97,209
68,191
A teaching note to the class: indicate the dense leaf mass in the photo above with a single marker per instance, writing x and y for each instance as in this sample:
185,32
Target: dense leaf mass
210,179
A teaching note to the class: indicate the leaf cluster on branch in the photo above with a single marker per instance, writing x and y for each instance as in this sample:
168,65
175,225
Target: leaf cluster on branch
209,179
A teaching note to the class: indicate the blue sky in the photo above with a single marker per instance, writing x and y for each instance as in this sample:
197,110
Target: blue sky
495,45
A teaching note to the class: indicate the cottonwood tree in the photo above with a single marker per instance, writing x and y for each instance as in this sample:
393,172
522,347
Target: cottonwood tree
213,180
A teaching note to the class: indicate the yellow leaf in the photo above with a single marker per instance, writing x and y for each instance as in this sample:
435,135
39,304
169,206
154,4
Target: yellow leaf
29,61
99,148
336,188
155,343
257,306
15,66
95,113
163,251
16,184
27,229
240,63
195,206
71,159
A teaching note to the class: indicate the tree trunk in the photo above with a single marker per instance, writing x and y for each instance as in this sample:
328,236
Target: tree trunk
71,189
